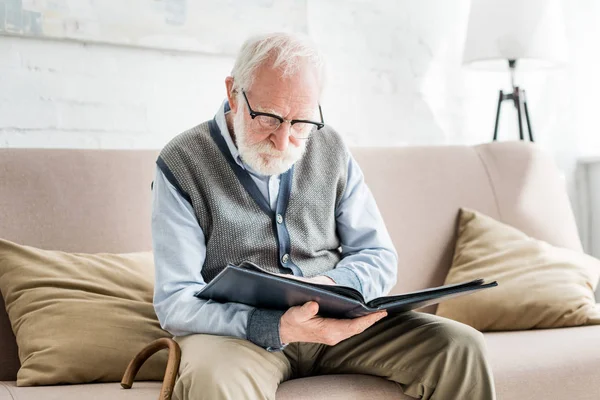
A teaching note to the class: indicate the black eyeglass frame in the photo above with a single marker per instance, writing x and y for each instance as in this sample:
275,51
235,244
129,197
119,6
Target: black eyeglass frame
255,114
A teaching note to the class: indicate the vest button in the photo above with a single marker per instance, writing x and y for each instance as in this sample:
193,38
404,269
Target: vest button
285,258
279,218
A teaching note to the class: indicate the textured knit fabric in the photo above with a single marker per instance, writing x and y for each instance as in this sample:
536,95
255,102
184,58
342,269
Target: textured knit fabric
226,211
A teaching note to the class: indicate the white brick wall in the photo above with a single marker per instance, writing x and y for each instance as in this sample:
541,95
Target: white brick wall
64,94
395,79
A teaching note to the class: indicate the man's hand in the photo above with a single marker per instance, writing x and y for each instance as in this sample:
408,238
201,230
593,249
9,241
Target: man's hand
322,279
301,324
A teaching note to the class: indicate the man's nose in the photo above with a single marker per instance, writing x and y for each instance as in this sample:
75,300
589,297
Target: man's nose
281,137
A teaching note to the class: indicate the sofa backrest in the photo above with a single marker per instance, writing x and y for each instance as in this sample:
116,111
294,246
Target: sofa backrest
99,201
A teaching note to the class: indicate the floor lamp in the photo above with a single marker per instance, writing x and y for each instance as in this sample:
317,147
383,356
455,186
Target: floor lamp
519,34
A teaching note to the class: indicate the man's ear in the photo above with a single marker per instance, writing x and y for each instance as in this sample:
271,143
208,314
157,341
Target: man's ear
230,95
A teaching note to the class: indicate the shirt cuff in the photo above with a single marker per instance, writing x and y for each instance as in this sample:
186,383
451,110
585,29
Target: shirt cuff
263,329
344,277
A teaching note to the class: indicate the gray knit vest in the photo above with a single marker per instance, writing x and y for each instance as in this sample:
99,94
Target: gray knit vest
237,221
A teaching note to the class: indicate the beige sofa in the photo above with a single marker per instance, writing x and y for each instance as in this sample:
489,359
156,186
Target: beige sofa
99,201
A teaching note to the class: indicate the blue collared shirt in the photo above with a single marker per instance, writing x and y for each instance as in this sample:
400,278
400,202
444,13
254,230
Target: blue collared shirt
368,264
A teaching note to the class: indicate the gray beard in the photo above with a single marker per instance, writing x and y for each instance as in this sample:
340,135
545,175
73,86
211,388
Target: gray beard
250,152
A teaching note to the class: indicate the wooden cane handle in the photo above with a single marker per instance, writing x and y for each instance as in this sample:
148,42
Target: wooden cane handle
134,366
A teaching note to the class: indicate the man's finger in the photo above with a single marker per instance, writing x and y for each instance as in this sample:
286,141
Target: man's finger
310,308
362,323
373,317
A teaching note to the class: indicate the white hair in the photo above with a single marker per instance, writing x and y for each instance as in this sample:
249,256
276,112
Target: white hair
289,50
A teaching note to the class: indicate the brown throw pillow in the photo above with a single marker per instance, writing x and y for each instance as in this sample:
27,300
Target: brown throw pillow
79,317
539,285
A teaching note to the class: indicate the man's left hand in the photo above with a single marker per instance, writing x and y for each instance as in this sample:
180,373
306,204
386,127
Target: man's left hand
321,279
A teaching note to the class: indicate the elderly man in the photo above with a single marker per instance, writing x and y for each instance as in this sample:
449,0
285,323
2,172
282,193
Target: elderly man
267,181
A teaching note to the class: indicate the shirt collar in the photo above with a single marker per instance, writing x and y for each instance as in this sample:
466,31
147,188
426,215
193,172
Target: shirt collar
222,124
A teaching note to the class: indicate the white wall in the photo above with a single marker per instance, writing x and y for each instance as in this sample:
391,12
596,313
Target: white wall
65,94
395,79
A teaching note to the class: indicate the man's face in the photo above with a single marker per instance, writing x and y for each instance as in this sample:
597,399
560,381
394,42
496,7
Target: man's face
294,97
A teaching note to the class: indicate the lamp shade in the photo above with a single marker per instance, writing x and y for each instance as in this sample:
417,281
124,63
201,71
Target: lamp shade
530,31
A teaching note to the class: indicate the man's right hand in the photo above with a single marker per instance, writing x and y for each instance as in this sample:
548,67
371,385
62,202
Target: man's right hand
301,324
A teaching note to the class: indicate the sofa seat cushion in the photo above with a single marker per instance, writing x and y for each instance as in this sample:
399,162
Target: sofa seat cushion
91,391
332,387
559,363
528,365
340,387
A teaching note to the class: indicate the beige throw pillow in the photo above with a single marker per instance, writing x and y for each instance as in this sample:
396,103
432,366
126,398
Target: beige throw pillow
539,285
79,317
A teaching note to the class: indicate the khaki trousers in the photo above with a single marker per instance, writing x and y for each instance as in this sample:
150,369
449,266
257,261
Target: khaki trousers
429,357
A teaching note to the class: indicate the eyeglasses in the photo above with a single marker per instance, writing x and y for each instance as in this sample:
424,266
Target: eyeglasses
266,123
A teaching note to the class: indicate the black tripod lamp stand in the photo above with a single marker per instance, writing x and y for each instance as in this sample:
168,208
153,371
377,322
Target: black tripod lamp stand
529,33
518,99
